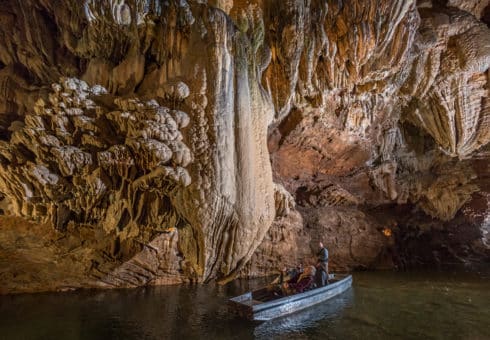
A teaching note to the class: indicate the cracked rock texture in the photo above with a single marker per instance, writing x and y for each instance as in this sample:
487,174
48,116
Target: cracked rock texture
156,142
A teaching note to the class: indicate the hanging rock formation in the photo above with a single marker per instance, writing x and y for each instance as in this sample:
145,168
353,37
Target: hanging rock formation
149,142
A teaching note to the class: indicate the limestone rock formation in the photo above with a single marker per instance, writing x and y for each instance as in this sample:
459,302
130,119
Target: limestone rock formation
70,169
119,160
354,239
192,140
475,7
450,101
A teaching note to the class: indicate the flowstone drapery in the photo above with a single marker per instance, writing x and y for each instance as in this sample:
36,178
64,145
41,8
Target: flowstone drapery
159,141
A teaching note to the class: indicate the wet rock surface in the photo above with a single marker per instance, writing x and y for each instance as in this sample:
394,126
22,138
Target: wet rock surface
192,140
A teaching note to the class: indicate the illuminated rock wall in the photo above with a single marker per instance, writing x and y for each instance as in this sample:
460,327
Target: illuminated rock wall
160,141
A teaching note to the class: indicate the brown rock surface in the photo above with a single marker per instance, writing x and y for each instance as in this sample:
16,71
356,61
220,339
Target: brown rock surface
162,142
354,241
33,258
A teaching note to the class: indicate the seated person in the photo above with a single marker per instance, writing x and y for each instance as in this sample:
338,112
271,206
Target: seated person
285,275
297,273
290,275
304,282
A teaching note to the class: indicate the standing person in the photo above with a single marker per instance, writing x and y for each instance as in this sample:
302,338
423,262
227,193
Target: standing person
322,264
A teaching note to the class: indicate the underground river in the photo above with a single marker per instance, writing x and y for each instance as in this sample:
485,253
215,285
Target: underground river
380,305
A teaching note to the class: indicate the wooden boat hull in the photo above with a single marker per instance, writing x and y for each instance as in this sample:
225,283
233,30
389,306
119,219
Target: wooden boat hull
256,310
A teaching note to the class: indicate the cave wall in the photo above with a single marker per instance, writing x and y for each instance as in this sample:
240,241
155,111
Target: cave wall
399,136
152,142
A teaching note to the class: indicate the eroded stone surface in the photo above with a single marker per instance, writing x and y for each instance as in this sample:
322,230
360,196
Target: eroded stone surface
164,125
355,241
71,169
112,153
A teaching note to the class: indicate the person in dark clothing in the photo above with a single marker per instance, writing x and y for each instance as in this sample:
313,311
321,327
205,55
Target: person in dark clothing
304,282
288,275
298,272
291,281
322,265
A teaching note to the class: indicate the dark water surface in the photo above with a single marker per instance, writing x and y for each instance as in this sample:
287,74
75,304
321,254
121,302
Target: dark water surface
380,305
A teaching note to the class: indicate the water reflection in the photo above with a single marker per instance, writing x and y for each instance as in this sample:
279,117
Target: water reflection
380,306
308,318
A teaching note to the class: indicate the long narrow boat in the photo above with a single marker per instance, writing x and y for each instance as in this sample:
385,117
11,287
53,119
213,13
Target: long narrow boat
258,305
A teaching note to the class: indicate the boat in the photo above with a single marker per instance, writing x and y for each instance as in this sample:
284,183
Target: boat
262,305
303,319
